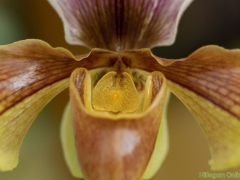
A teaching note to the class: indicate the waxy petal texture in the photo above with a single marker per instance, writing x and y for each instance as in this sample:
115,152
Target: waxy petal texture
208,83
119,24
31,74
111,146
68,144
70,154
119,96
161,147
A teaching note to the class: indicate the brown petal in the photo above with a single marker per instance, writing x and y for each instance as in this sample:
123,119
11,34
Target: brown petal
111,146
120,25
31,74
208,83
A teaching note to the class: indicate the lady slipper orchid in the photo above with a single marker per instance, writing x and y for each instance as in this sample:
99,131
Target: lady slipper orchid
114,127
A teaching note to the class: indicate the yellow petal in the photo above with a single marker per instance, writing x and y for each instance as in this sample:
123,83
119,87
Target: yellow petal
221,128
208,83
68,145
161,146
15,122
31,74
114,146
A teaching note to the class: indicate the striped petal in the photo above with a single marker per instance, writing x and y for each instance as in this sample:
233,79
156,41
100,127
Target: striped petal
116,146
208,83
31,74
118,25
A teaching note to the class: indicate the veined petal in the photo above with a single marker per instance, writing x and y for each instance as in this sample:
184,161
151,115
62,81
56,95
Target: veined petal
119,24
208,83
31,74
157,158
115,146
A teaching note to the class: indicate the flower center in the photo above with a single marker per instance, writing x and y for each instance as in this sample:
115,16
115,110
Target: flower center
116,92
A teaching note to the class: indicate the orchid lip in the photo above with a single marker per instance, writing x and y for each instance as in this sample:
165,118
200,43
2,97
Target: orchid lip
115,139
125,118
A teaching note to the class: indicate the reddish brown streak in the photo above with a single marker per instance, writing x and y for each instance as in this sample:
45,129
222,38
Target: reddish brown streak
211,72
22,75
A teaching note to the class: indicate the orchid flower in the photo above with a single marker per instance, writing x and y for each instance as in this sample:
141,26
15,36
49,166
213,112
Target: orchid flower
115,124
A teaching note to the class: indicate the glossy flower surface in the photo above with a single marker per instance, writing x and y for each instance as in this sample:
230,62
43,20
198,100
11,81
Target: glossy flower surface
115,125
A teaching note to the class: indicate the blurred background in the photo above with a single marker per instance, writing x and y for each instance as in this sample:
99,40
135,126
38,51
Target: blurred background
41,157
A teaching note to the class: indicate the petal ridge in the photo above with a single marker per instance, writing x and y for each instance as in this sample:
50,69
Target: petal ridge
221,129
31,74
213,73
114,142
120,25
15,122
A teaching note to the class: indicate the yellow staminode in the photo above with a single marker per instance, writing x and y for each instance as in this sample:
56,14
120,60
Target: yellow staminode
116,93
